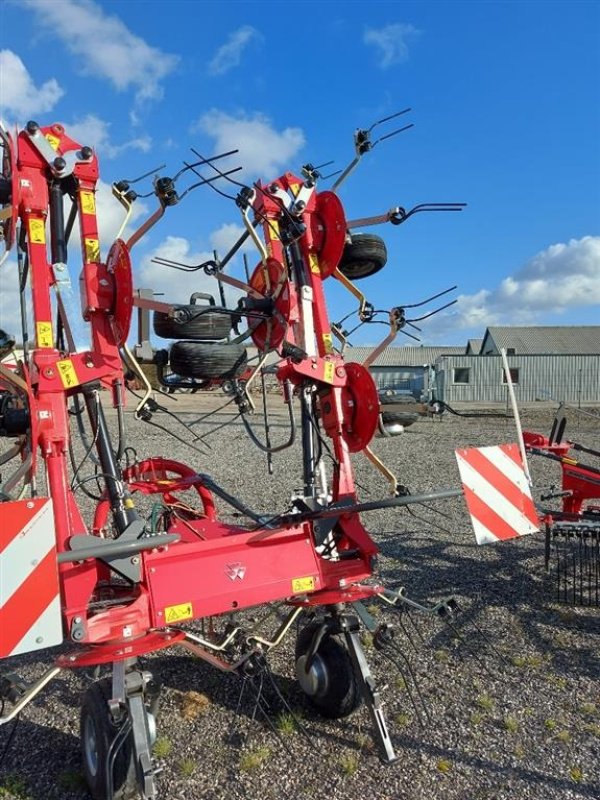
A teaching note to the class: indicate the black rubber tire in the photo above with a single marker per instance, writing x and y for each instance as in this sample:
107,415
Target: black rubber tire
365,255
206,326
396,400
404,418
95,722
198,360
341,696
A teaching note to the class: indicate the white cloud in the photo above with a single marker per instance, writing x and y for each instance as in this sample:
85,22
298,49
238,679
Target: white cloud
263,149
176,286
223,239
93,131
19,96
562,277
230,54
10,316
105,46
391,42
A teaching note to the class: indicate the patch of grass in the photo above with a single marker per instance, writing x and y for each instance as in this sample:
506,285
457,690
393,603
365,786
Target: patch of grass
528,711
511,724
477,718
187,767
367,641
285,724
550,724
485,702
403,719
349,763
557,680
374,610
519,752
253,759
593,728
534,661
441,656
193,704
72,780
13,787
564,737
589,709
400,684
576,774
519,661
444,766
162,747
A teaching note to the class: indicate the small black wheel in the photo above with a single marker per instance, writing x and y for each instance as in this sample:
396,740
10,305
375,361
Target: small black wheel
330,684
198,360
396,399
200,323
365,255
97,733
404,418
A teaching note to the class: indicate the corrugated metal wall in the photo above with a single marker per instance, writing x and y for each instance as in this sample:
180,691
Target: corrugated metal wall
570,378
410,378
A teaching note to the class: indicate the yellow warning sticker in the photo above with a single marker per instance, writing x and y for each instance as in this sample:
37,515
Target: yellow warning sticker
37,231
274,230
178,613
67,373
328,372
328,343
314,263
44,334
92,250
54,141
303,584
294,189
88,202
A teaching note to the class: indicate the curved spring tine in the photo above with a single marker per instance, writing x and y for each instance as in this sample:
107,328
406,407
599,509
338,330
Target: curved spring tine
413,703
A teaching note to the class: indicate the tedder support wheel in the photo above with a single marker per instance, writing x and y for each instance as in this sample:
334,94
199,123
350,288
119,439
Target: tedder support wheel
404,418
365,255
201,324
197,360
97,733
330,683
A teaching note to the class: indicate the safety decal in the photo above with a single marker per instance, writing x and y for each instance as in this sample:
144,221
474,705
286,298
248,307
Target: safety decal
44,334
301,585
37,231
178,613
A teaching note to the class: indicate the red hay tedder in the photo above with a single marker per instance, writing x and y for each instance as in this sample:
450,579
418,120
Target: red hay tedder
125,584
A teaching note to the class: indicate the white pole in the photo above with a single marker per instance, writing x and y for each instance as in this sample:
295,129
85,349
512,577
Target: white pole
513,402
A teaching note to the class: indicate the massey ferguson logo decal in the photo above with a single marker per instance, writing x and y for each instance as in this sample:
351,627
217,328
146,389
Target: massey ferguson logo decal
236,570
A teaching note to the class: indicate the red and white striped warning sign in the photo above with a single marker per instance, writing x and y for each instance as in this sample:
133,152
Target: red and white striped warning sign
30,615
497,492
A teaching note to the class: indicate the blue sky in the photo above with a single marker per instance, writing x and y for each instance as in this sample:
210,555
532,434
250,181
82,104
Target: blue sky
506,106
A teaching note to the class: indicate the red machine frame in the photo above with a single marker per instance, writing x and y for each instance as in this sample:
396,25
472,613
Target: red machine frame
122,587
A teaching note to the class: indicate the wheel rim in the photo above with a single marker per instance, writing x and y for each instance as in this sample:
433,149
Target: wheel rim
315,682
90,746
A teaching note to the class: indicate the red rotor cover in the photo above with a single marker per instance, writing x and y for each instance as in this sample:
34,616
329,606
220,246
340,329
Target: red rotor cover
272,282
361,407
118,264
328,225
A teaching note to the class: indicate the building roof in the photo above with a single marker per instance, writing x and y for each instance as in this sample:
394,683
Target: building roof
543,340
473,347
402,356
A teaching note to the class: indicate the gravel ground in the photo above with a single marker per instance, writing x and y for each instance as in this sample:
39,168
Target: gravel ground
520,723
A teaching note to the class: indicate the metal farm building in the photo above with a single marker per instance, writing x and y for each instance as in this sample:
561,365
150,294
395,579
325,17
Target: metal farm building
546,363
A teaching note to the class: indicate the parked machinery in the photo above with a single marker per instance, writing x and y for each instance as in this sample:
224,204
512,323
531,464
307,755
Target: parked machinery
573,530
125,585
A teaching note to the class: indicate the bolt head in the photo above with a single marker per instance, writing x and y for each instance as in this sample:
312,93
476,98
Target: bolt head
59,163
86,153
32,127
